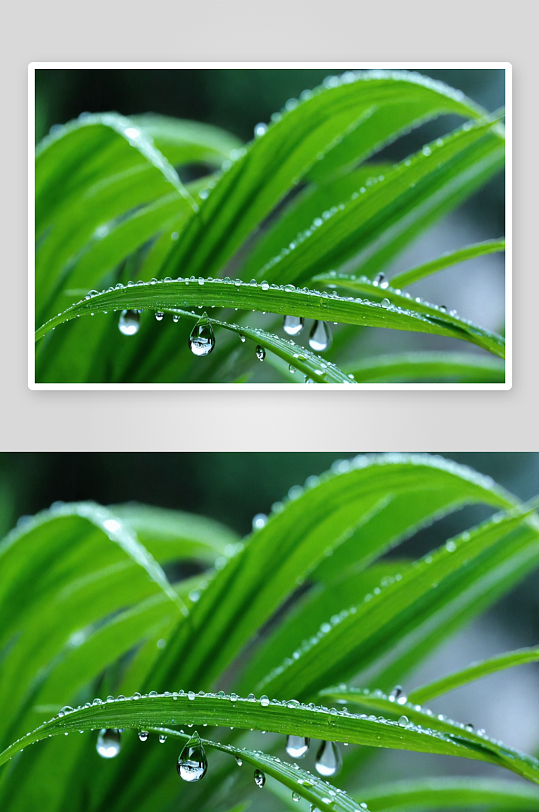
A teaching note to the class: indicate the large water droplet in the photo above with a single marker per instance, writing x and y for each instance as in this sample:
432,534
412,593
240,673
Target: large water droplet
293,325
129,322
202,339
192,762
108,743
297,746
260,778
328,759
295,796
143,735
260,352
320,337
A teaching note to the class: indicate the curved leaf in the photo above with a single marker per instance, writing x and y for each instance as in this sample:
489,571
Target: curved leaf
160,711
450,258
171,296
429,366
473,672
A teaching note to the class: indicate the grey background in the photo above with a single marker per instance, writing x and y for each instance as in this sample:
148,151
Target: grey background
298,31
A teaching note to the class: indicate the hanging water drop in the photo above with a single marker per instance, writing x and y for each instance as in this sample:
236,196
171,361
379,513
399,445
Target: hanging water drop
239,762
328,759
260,352
297,746
260,778
295,796
293,325
192,762
143,735
108,743
129,322
162,738
320,337
159,316
175,318
202,340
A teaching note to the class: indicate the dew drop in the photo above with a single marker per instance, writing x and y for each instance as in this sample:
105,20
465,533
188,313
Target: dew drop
320,337
260,352
260,129
242,338
403,721
159,316
293,325
129,322
297,746
162,738
264,701
469,727
108,743
385,302
443,308
259,520
143,735
175,318
239,762
380,281
202,339
295,796
192,762
260,778
328,759
292,369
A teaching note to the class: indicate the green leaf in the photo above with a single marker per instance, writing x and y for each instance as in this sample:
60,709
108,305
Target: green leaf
362,633
160,711
443,793
87,174
182,141
272,164
429,366
172,296
473,672
450,258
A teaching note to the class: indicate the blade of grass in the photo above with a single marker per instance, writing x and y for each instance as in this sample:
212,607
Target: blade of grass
473,672
405,278
429,366
171,296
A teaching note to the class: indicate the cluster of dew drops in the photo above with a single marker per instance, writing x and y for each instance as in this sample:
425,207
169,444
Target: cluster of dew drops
202,338
192,762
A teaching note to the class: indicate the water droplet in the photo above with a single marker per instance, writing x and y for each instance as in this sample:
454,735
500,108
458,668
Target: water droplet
192,762
292,369
239,762
295,796
162,738
260,129
260,352
242,338
143,735
380,281
469,727
293,325
443,308
260,778
159,316
385,302
175,318
202,340
264,701
328,759
108,743
297,746
129,322
403,721
320,337
259,520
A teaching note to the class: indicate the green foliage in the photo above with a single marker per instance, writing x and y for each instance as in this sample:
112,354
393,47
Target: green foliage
288,214
141,619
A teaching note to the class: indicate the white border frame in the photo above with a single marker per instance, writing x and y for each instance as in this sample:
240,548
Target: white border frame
506,66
